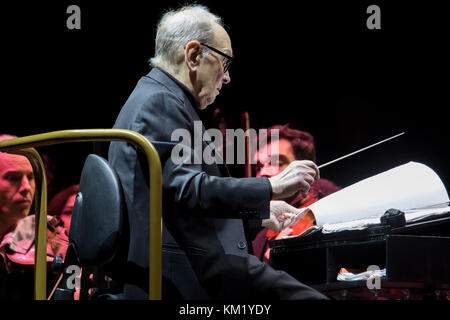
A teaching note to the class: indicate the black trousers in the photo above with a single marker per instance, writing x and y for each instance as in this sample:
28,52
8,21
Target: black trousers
262,283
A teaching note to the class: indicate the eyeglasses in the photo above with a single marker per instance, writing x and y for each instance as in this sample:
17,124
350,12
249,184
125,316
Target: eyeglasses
226,63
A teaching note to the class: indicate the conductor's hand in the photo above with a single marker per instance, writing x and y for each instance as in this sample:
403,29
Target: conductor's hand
282,215
298,177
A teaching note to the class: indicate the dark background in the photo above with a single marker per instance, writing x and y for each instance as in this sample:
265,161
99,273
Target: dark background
313,64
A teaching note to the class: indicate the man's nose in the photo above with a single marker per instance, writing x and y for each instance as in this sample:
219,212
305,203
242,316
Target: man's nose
226,77
25,186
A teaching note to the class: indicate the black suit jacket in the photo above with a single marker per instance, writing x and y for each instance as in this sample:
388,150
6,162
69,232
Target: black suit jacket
204,245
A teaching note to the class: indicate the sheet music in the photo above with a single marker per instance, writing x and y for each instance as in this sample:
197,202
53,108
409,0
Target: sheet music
412,185
362,224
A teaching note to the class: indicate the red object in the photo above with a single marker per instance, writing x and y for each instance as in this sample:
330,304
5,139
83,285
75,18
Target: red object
304,223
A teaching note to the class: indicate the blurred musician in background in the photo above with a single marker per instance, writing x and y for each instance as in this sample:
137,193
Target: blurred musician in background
17,187
274,157
62,204
17,225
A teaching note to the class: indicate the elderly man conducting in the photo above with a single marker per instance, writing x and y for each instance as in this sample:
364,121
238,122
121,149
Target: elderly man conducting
205,211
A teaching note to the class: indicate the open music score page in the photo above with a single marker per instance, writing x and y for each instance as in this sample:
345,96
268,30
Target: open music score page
413,188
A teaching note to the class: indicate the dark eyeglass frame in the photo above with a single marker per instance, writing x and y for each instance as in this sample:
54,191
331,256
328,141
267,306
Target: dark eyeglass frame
226,64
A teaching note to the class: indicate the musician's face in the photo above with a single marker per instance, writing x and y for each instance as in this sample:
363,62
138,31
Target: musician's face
17,187
66,214
273,158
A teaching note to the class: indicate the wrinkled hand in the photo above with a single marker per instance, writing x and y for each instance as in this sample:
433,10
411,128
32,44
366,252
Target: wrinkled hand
298,177
282,215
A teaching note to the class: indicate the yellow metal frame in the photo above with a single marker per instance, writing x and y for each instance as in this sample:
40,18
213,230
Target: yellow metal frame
25,146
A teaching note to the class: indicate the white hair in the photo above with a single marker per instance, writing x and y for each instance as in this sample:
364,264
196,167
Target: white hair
176,29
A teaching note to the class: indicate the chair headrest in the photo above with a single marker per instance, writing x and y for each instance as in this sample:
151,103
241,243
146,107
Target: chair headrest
97,218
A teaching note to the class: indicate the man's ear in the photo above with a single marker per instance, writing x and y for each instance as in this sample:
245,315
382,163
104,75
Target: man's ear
192,55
